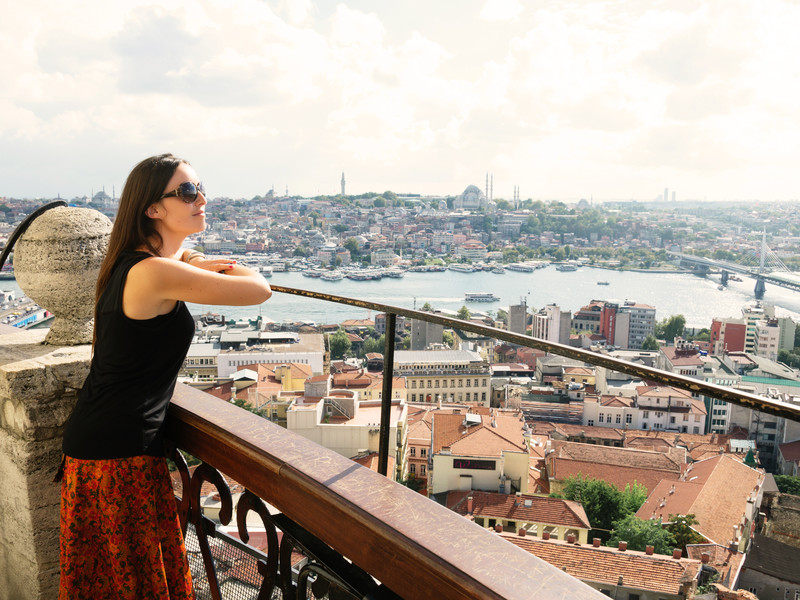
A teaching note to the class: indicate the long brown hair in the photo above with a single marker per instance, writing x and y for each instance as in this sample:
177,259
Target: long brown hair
132,227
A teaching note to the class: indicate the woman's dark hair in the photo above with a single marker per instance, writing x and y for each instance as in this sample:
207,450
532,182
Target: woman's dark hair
132,227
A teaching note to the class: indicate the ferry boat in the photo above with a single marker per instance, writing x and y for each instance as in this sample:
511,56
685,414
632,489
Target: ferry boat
498,269
395,273
522,267
461,268
566,267
332,276
481,297
266,270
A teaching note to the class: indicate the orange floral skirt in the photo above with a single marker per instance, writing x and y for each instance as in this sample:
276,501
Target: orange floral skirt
120,533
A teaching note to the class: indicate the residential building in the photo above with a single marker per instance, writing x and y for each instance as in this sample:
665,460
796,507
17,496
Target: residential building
770,570
727,335
514,512
551,324
478,452
618,572
618,466
721,492
447,375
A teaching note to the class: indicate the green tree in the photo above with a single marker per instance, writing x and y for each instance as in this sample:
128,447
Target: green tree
339,343
448,338
351,244
680,526
339,228
412,482
427,307
650,343
639,534
375,345
603,502
463,313
670,328
241,403
379,202
788,484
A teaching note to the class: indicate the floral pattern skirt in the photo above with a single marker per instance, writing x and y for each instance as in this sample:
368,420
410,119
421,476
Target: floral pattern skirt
120,532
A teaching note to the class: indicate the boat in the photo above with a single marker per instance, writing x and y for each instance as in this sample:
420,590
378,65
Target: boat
312,273
461,268
498,269
395,273
602,283
522,267
481,297
566,267
332,276
266,270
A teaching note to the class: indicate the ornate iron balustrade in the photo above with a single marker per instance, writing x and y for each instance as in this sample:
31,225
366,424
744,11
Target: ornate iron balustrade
363,535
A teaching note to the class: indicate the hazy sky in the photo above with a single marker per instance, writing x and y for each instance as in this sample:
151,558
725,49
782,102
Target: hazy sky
566,99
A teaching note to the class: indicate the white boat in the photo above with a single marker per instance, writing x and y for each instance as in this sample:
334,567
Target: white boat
461,268
566,267
522,267
481,297
395,273
266,270
332,276
498,269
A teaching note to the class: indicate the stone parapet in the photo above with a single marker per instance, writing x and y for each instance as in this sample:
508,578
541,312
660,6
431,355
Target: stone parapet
38,388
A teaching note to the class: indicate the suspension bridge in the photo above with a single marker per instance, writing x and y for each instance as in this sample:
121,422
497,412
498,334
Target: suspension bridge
759,262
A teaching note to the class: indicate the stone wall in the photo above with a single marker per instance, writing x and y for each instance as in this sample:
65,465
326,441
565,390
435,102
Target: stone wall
38,388
784,518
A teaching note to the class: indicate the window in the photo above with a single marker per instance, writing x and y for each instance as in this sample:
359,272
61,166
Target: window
423,452
686,417
413,397
413,384
645,414
696,430
590,423
601,417
618,419
460,383
412,451
476,383
468,396
469,382
412,468
423,469
672,419
628,419
437,383
484,383
483,396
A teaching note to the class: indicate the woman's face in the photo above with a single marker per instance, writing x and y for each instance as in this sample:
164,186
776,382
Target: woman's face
179,213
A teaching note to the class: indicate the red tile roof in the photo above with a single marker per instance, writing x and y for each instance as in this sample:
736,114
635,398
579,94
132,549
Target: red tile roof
606,566
791,451
525,507
715,490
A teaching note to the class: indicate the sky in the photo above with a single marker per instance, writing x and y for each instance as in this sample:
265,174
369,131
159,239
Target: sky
603,100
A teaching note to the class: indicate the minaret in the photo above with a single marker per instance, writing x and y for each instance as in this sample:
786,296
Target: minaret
487,186
491,189
343,183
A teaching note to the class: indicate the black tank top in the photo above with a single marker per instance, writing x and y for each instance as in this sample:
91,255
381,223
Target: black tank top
122,405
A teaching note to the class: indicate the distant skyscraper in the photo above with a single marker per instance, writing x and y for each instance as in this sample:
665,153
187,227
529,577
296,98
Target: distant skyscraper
343,183
666,194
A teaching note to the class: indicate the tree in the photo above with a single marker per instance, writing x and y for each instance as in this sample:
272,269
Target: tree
603,502
412,482
680,527
379,202
463,313
640,533
650,343
375,345
241,403
339,343
427,307
670,328
351,244
788,484
448,338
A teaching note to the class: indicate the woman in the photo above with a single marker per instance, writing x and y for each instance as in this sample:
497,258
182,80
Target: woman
120,534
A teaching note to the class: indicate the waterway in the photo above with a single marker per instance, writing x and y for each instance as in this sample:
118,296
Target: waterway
697,298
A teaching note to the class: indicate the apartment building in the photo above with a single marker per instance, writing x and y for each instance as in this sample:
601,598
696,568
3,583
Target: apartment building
446,375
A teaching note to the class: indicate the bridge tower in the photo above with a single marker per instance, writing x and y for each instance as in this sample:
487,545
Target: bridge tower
760,288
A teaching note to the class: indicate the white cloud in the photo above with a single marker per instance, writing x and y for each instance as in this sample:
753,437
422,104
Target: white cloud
501,10
560,98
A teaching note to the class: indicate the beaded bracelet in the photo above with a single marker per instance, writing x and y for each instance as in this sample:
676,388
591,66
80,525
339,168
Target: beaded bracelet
194,254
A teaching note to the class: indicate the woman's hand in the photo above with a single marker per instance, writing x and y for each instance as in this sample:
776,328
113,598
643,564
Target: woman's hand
218,265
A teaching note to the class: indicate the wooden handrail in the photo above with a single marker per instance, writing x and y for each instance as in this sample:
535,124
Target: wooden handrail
411,544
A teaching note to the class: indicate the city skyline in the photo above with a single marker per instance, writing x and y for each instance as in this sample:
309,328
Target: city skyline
599,100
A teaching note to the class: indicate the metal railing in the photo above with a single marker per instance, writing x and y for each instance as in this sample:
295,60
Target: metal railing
362,535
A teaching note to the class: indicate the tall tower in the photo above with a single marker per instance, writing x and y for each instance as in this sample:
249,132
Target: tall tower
486,193
343,183
491,190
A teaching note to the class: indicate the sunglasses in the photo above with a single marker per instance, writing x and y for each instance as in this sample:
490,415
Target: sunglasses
187,192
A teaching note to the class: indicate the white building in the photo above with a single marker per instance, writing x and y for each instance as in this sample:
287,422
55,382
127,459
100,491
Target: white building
449,375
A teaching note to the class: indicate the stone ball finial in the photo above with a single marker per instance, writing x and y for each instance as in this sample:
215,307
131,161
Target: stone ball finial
56,263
